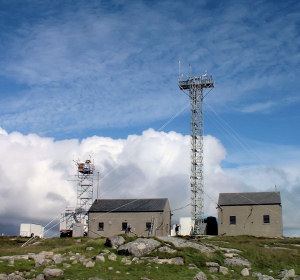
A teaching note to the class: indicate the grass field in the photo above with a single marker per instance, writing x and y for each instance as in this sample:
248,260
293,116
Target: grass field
267,256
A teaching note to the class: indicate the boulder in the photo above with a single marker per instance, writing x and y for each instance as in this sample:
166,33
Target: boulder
100,258
66,265
3,276
89,264
212,264
57,258
192,266
223,270
284,273
115,241
40,277
237,262
245,272
139,247
179,242
39,260
213,269
52,272
200,276
14,276
176,261
112,257
89,248
265,277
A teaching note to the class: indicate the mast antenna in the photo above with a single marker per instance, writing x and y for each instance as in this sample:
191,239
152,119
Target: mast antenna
194,87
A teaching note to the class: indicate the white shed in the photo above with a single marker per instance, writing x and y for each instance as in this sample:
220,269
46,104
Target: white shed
30,230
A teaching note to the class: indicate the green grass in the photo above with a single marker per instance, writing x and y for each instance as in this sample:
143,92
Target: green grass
261,252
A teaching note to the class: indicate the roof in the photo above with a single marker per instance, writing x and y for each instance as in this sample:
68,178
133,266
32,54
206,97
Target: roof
129,205
249,198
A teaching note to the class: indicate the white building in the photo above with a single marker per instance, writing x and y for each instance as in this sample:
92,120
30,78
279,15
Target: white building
31,230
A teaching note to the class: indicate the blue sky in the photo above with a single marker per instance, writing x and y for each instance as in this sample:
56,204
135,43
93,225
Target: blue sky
75,69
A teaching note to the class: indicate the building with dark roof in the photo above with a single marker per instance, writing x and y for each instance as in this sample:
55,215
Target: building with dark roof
251,213
143,217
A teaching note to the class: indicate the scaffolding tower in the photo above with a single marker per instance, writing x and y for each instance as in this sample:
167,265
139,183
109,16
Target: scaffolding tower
84,178
85,189
194,87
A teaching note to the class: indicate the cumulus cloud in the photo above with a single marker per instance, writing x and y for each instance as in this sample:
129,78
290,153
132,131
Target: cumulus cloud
36,171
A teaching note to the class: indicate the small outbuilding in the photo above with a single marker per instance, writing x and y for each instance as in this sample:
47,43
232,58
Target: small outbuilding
143,217
250,213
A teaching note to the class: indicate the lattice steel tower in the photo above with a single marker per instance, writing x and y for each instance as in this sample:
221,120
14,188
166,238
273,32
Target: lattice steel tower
194,87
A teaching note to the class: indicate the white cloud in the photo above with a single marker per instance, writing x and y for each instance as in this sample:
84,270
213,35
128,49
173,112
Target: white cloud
34,173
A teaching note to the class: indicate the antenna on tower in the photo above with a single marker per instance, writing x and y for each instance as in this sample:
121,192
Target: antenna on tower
194,87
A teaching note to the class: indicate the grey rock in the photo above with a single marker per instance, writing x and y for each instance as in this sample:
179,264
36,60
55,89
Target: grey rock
265,277
11,261
89,248
47,253
284,273
39,260
229,255
213,269
245,272
40,277
100,258
14,276
3,276
200,276
112,257
256,274
212,264
139,247
192,266
52,272
110,268
213,277
176,261
237,262
180,243
89,264
66,265
105,251
57,258
115,241
166,249
223,270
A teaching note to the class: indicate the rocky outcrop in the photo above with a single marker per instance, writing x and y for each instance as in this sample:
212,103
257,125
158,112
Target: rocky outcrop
237,261
139,247
180,243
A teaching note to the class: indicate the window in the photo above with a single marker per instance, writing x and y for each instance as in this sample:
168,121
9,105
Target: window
266,219
148,226
101,226
124,226
232,220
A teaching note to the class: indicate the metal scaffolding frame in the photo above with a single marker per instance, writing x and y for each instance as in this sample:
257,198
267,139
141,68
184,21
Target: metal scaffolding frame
193,87
84,178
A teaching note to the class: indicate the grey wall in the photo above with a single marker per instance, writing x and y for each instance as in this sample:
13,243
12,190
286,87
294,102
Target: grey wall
249,220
